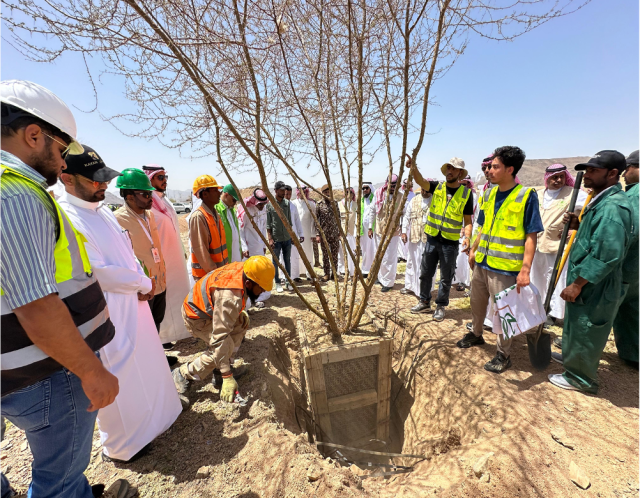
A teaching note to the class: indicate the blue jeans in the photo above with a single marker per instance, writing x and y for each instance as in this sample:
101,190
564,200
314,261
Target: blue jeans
434,252
53,413
285,248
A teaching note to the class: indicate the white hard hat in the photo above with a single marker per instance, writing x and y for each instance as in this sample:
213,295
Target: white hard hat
41,103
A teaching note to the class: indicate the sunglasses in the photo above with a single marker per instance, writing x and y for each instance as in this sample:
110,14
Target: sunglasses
66,147
144,193
162,177
93,182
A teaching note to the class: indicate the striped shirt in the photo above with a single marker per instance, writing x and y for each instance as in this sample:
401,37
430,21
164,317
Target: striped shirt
28,223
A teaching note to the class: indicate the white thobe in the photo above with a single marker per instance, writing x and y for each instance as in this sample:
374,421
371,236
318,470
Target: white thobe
178,286
402,248
296,225
308,230
236,245
250,239
148,403
414,252
367,245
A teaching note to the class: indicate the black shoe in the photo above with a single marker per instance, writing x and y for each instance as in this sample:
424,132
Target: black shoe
168,346
557,357
557,342
422,307
237,372
499,363
438,316
405,291
181,383
470,339
385,289
172,360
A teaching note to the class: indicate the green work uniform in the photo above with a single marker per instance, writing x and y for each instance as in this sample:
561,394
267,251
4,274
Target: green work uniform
625,325
597,255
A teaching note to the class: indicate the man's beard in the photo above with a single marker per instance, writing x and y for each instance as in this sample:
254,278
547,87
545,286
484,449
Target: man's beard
44,164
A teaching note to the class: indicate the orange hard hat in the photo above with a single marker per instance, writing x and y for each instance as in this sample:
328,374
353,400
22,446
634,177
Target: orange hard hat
204,181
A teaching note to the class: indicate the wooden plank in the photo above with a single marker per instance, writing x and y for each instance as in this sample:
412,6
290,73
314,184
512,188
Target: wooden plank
384,389
319,395
350,352
354,400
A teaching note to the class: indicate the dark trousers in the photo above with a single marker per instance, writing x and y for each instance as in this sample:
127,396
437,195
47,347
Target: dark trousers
283,247
158,305
331,252
446,254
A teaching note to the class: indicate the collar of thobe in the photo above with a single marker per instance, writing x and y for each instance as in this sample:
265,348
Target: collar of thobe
76,201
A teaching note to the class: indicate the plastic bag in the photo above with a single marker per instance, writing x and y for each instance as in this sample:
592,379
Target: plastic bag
515,314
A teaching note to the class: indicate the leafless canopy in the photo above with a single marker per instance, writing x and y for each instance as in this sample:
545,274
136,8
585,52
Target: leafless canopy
279,85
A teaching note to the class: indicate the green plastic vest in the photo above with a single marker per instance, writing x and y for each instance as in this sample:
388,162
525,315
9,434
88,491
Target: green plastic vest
447,217
503,235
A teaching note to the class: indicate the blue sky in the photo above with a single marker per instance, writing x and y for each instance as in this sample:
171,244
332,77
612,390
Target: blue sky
569,88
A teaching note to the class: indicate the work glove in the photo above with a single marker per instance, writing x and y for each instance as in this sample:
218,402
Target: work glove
244,319
229,388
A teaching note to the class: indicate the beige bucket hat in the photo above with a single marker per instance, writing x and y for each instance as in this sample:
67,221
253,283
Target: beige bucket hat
457,163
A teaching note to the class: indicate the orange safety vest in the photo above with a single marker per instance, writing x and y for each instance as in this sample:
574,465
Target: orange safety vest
198,304
217,244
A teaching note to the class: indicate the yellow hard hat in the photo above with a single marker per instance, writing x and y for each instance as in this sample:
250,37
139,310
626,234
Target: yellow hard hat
204,181
260,270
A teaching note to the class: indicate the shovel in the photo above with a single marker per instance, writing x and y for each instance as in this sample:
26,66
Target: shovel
539,343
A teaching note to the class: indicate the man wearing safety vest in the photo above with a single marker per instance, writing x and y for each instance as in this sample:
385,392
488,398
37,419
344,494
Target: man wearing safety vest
214,311
54,315
206,231
451,210
502,254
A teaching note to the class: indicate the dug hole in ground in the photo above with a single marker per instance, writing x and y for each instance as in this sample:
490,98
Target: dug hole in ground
481,434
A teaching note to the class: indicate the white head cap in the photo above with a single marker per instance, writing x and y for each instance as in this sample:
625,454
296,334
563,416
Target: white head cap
41,103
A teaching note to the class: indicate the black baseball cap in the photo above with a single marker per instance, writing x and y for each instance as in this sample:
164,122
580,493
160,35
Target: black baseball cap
605,159
632,159
279,185
90,165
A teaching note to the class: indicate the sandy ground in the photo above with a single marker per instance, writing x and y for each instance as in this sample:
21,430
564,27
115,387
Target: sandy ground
445,406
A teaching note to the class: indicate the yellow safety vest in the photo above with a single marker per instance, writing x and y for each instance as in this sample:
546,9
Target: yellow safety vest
503,235
23,363
447,217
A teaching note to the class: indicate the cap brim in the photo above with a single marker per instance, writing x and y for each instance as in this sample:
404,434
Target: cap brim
75,149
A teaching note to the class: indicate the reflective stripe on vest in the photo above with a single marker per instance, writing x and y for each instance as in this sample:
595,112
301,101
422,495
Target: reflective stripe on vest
198,303
444,216
503,244
217,244
22,362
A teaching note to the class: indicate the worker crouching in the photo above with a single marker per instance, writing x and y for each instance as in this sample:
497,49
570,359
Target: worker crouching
214,311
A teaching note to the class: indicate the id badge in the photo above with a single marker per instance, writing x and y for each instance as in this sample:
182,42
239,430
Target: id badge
156,255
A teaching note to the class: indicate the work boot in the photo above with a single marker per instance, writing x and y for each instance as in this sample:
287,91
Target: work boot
557,357
470,339
557,342
438,316
181,383
422,307
499,363
385,289
237,372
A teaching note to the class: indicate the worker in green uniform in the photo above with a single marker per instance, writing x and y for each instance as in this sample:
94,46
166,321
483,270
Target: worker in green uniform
625,325
594,280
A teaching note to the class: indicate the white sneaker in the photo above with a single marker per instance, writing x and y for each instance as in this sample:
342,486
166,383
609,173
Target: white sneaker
558,380
278,288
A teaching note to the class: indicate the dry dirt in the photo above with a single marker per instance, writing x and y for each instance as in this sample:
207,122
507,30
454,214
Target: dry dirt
444,406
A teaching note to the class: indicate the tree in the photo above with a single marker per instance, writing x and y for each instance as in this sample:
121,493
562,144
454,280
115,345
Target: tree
268,85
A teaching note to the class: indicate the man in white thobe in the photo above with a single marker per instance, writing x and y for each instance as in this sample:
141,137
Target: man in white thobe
308,229
402,248
367,245
172,327
382,211
347,209
414,219
252,244
296,225
147,404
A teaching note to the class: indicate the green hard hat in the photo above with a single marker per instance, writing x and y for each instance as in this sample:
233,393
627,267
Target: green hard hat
133,179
